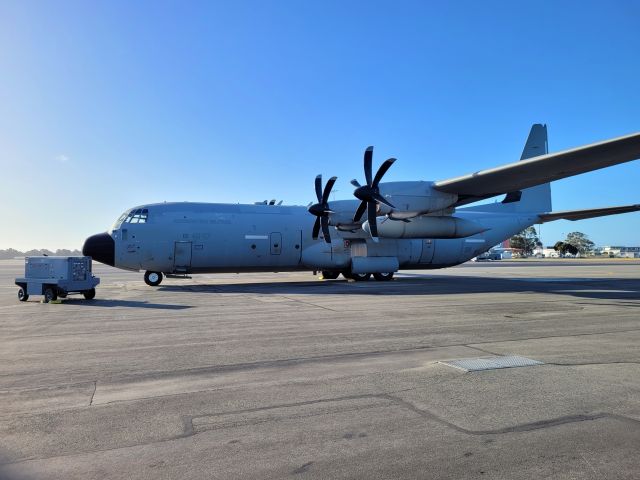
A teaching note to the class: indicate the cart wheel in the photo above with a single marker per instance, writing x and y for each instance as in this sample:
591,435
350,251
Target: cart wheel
152,279
23,296
49,295
383,277
89,294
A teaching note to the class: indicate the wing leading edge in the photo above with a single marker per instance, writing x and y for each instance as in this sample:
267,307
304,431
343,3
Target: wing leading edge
543,169
587,213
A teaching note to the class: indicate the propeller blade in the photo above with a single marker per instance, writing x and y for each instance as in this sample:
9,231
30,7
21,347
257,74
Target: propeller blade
355,183
316,229
319,188
360,211
379,198
371,216
368,159
382,170
327,189
324,221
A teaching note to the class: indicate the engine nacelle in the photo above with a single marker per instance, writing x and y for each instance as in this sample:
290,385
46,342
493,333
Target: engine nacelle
427,227
414,198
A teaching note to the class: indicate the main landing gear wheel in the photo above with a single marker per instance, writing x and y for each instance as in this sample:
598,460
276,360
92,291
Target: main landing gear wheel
383,277
327,275
23,296
358,277
153,279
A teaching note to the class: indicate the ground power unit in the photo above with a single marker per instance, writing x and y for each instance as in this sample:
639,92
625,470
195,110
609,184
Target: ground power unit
56,277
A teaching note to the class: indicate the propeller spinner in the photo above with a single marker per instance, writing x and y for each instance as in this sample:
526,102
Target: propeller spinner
321,209
369,194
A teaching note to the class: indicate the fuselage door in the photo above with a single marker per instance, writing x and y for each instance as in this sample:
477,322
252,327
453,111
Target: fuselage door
182,257
276,243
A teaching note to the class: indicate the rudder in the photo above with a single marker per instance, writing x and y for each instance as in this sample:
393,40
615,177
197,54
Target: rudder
538,198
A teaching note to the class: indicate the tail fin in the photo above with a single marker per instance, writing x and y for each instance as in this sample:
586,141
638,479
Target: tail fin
538,198
534,199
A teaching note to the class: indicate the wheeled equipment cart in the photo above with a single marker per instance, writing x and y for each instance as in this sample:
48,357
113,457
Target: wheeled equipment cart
56,277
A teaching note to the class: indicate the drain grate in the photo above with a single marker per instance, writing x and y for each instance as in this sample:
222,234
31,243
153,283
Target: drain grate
491,363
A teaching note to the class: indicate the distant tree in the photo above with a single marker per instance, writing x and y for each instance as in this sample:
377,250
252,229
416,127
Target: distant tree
12,253
9,254
564,248
526,241
580,241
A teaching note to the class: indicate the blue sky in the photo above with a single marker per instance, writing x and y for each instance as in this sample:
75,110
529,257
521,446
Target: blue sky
107,105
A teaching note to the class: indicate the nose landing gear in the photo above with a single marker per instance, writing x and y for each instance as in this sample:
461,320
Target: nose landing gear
153,279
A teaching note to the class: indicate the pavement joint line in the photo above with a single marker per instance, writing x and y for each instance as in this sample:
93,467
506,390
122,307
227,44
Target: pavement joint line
338,356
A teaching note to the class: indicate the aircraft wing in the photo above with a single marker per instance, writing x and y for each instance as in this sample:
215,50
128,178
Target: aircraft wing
588,213
542,169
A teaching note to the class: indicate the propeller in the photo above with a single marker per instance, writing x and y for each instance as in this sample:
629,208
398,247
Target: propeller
369,194
321,209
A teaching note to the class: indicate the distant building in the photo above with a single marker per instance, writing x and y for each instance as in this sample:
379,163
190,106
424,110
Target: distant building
620,251
545,252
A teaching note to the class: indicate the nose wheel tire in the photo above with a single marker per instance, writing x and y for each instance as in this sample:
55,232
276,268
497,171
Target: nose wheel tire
23,296
383,277
153,279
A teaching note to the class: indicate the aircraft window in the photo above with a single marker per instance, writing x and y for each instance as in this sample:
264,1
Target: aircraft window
138,216
119,222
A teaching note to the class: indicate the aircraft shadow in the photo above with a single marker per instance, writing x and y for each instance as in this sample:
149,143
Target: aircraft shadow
601,289
106,303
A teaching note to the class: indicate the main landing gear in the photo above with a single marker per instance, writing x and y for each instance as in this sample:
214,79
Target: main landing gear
153,279
358,277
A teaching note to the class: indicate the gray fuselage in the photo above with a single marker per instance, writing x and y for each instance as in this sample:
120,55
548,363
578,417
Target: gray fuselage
208,237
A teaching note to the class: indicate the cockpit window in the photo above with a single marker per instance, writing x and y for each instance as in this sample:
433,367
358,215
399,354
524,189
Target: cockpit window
138,216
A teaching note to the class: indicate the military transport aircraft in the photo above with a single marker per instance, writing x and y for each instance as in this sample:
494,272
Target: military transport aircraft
408,225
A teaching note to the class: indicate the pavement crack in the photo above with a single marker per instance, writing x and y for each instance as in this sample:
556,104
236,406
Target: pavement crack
583,364
482,350
297,300
524,427
93,394
189,430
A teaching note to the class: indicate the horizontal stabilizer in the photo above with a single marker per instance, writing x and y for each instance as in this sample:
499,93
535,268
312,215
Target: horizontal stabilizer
588,213
544,168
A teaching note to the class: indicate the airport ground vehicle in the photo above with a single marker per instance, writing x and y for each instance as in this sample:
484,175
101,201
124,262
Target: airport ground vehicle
55,277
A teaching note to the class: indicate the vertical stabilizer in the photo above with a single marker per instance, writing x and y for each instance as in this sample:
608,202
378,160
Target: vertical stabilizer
538,198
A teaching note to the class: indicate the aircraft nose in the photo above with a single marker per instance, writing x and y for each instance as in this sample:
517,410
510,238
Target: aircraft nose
100,247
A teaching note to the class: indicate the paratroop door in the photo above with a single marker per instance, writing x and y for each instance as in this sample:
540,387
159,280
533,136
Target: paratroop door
182,256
